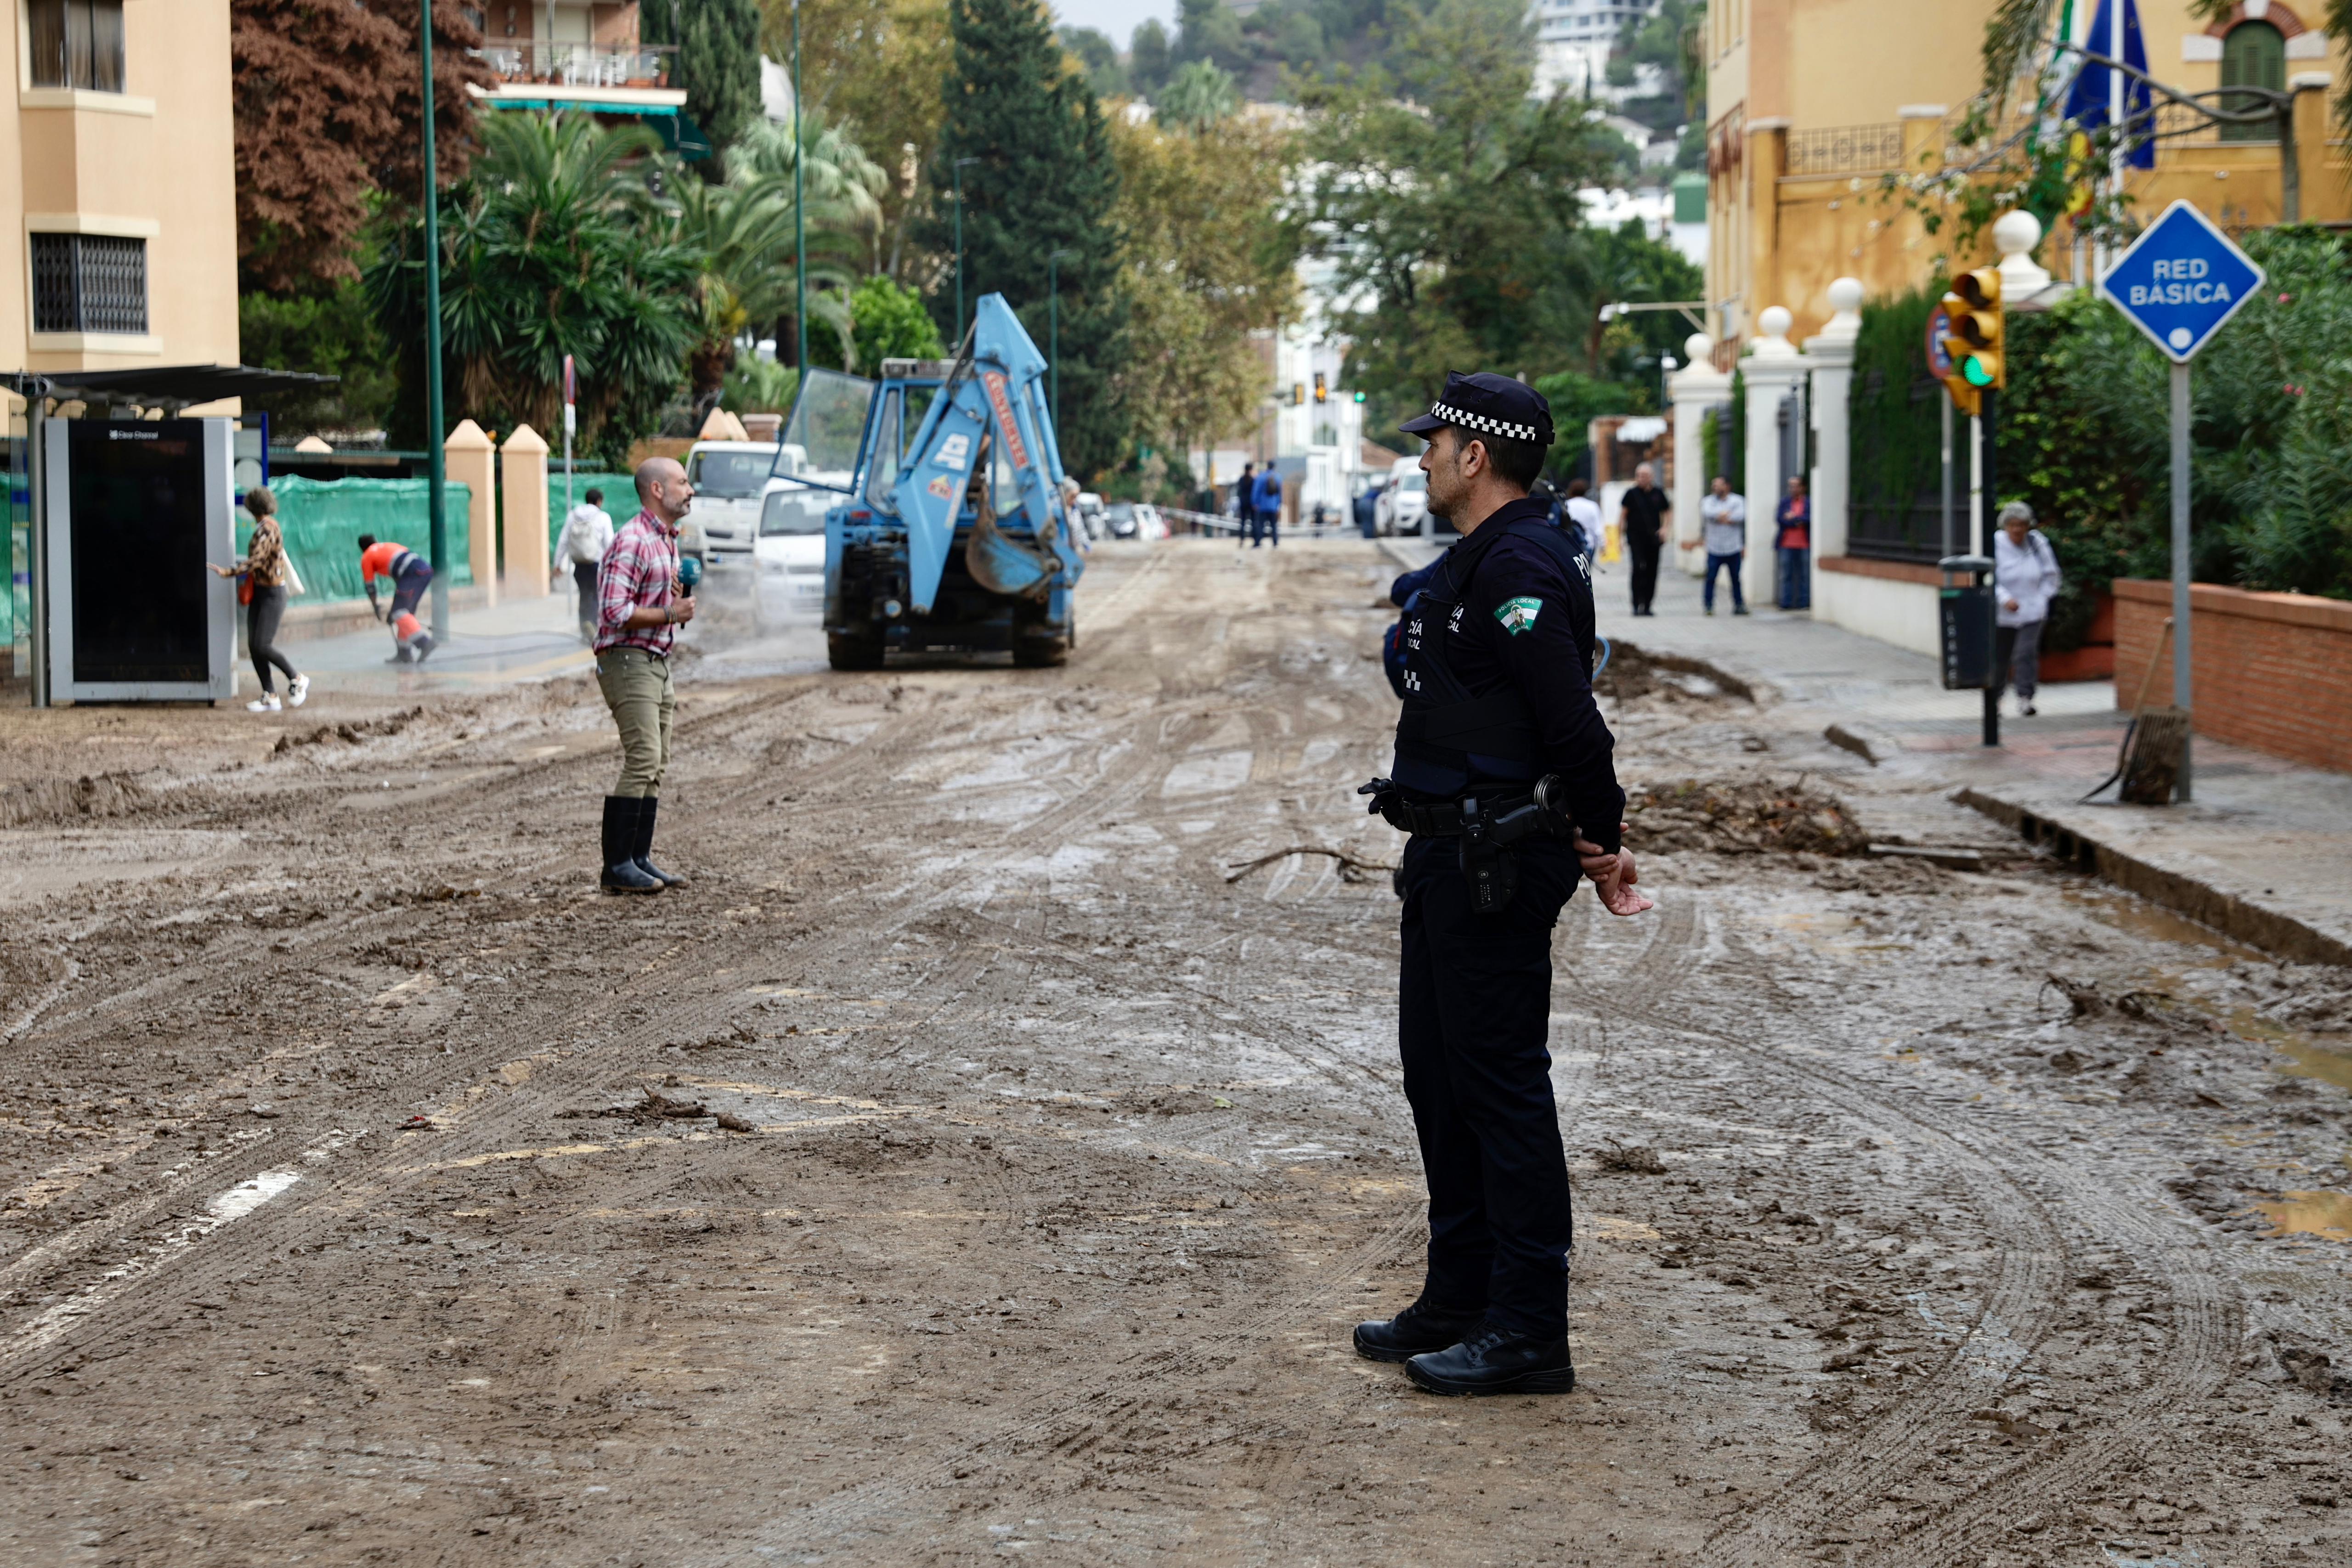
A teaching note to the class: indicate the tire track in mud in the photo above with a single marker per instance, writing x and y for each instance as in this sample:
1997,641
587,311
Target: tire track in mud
2028,1203
21,1356
254,952
1059,1422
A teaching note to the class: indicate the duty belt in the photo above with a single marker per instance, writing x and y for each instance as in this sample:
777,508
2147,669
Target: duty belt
1443,820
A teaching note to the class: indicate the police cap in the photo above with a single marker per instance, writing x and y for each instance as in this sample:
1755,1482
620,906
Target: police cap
1487,404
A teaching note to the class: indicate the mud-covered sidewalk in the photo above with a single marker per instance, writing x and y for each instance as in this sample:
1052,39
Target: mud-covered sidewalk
988,1155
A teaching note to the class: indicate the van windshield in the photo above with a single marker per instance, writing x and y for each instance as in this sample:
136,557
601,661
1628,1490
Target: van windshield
788,512
1414,481
731,475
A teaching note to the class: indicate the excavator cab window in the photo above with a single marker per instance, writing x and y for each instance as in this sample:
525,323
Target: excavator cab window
889,450
828,422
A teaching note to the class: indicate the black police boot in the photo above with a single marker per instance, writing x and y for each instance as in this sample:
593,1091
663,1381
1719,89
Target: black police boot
647,807
1418,1329
621,873
1493,1361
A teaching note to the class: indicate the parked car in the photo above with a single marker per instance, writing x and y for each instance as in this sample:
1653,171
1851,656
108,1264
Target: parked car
789,553
1149,523
1120,519
1089,510
729,480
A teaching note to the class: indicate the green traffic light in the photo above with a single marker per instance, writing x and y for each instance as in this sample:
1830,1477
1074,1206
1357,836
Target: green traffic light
1974,370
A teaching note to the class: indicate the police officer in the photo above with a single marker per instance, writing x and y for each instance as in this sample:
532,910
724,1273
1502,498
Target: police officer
1503,776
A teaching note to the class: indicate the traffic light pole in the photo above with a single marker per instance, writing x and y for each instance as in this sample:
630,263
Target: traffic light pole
2183,670
1988,413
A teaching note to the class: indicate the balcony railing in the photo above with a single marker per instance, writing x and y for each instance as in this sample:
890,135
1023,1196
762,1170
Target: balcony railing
1846,148
579,65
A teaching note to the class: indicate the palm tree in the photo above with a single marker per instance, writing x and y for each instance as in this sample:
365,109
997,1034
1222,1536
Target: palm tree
553,245
743,232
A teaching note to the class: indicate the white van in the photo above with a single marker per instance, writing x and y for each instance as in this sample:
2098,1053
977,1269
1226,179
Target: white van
729,477
789,554
1403,506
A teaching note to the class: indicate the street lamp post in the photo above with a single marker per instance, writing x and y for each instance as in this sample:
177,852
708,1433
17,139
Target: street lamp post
1054,334
436,468
959,248
799,222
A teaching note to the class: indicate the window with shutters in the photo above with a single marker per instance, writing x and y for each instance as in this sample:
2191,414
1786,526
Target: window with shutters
77,44
2253,54
89,283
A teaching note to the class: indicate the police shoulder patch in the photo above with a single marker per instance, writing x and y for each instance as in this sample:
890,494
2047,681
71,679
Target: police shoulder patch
1518,614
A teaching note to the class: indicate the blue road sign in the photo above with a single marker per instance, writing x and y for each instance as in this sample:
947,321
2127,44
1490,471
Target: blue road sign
2180,281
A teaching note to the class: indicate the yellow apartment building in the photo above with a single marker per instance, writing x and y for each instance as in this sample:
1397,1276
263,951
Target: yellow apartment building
119,172
1811,103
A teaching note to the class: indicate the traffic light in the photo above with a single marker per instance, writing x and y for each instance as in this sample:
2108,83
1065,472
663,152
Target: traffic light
1360,397
1975,344
1298,394
1322,394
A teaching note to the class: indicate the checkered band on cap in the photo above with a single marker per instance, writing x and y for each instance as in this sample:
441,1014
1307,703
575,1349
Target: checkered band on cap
1480,422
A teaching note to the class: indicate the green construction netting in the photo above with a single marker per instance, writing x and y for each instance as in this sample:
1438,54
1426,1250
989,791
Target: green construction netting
322,519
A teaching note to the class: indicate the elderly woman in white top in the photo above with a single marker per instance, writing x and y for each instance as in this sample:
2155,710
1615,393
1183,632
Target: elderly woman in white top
2025,580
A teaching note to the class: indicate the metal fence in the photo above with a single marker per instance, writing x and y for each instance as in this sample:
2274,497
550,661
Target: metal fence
1913,533
1846,148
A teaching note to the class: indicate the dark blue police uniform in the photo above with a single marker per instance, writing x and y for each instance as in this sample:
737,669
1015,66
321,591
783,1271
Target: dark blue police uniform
1501,755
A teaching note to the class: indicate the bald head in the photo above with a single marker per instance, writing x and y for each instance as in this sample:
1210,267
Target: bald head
662,489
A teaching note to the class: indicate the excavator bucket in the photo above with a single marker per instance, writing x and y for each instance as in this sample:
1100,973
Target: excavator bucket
992,405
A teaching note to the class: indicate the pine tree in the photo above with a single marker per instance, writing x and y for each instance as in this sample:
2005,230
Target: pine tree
1044,180
717,63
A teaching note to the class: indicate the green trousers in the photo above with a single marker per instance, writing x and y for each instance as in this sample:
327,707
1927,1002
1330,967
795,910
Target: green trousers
638,689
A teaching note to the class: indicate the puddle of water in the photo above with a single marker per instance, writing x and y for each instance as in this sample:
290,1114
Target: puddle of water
2141,919
2323,1214
2311,1059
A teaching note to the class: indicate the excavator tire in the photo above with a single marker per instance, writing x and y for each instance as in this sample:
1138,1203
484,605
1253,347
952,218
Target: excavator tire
1041,652
844,651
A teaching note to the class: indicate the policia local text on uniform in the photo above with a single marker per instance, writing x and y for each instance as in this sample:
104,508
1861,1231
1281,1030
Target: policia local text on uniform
1504,778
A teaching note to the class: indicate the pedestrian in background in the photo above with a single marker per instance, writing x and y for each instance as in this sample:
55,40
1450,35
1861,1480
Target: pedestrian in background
1266,503
1794,543
1368,512
1246,504
2025,579
1723,517
1584,514
587,535
640,604
264,568
410,575
1643,518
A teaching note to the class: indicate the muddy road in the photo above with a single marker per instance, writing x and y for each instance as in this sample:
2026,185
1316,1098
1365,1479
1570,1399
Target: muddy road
988,1156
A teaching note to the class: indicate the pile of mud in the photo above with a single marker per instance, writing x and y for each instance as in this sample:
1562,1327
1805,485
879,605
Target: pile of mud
58,800
1741,817
1634,672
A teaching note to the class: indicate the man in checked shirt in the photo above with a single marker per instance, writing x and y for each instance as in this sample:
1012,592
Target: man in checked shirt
640,606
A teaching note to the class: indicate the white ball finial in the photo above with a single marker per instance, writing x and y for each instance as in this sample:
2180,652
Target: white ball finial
2016,233
1845,296
1775,321
1697,348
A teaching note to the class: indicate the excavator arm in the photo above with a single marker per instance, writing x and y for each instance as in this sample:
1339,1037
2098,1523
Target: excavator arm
992,410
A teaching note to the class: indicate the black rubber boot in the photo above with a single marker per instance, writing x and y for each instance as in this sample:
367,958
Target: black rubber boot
1493,1362
1420,1328
643,844
621,873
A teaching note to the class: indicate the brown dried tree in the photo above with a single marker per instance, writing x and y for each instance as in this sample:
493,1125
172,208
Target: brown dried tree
327,106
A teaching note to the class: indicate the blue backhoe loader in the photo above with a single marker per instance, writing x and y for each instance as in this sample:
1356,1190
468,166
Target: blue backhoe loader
951,530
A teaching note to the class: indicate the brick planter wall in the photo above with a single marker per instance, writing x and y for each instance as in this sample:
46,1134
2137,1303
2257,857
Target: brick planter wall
2273,670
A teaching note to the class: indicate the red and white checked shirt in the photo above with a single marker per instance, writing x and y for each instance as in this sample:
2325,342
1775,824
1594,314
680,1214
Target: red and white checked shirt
637,574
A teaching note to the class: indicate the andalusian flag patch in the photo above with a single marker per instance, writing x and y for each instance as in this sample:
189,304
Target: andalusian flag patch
1517,614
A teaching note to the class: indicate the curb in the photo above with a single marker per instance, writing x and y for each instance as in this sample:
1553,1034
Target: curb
2272,930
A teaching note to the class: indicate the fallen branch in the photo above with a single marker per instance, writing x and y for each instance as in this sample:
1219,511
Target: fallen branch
1350,867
